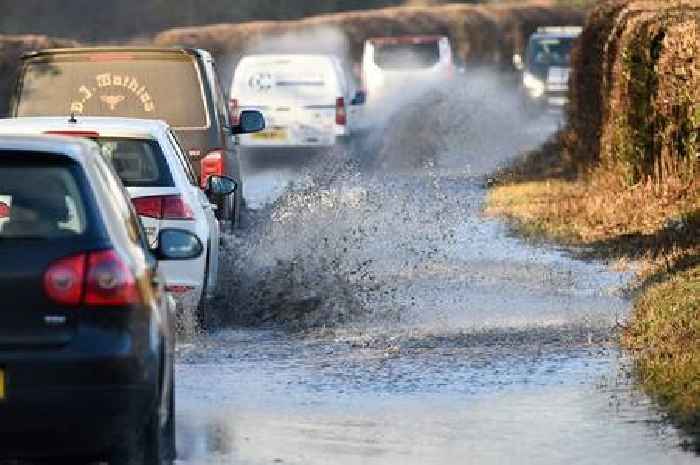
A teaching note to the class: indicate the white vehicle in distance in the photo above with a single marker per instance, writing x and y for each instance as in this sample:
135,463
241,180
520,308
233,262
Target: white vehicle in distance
389,64
163,187
305,99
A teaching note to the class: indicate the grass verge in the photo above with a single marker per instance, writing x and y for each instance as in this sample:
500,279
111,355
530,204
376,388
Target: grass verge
658,227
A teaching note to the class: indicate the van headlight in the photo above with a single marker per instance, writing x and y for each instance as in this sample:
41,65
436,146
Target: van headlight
535,87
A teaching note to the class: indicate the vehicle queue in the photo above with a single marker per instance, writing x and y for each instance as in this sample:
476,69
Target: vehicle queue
118,171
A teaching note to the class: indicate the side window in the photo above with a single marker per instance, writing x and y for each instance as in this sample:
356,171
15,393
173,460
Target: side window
184,160
221,102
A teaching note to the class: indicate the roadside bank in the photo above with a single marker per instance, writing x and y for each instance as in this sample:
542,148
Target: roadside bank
621,181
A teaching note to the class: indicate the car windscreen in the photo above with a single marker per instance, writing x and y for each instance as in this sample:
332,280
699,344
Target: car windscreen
285,79
550,51
138,162
407,56
153,86
39,201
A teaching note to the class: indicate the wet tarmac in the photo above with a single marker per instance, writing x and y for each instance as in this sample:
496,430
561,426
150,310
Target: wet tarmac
375,316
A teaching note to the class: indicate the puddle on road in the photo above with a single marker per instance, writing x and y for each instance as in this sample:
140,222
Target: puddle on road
424,333
532,425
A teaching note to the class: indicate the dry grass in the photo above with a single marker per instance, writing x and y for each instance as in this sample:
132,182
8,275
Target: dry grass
665,334
599,208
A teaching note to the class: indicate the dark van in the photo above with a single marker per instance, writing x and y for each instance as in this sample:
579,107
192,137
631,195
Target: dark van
177,85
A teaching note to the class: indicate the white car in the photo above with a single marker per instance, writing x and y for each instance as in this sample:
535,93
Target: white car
305,99
390,64
162,185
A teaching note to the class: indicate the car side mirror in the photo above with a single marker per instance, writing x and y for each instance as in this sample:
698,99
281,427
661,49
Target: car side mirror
178,244
360,98
220,185
518,62
250,121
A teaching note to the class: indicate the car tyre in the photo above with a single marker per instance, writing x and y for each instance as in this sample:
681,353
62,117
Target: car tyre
230,208
201,316
155,445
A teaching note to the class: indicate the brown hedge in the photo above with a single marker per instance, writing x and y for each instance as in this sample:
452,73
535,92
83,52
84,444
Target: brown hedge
635,90
481,33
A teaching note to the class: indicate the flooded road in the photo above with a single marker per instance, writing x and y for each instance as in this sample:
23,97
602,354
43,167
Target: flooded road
371,314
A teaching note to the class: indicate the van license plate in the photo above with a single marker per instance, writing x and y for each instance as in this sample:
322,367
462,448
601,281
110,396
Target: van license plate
273,134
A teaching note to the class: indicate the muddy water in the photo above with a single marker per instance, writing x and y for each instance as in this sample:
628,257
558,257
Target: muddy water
371,314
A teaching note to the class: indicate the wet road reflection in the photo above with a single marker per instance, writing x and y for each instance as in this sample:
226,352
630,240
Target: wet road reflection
475,347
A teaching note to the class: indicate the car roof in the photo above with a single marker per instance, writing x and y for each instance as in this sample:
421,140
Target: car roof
290,56
73,148
105,126
555,35
114,49
406,39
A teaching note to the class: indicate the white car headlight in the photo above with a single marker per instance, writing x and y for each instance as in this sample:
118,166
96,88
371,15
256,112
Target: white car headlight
534,86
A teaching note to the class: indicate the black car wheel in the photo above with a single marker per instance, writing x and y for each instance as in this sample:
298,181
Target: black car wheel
229,209
201,310
156,443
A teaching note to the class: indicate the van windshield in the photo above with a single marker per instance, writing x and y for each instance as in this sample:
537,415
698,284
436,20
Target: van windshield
165,86
286,79
551,51
407,56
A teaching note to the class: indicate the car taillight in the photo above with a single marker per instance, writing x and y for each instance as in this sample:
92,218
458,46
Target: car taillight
98,278
341,116
152,207
175,208
163,207
212,164
63,281
109,282
4,210
234,110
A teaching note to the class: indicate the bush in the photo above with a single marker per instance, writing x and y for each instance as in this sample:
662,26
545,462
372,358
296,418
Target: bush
635,91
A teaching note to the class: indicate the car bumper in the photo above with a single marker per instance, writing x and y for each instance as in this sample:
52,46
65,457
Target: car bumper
550,99
72,421
184,279
186,296
82,398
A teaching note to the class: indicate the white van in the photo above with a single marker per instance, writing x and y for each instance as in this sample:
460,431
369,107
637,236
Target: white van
305,99
390,64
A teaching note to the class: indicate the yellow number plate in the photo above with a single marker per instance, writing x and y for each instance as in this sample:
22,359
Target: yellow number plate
273,134
2,384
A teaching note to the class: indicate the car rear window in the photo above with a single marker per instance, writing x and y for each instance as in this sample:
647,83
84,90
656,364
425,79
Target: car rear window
407,56
138,162
39,202
149,85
